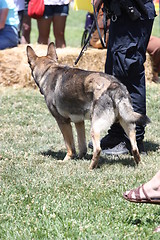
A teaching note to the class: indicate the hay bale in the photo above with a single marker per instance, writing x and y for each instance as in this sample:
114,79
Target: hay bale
14,68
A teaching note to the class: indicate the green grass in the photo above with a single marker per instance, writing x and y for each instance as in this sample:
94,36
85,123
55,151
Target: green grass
41,198
156,27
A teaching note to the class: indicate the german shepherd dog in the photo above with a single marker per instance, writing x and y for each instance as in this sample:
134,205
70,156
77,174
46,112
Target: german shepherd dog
73,95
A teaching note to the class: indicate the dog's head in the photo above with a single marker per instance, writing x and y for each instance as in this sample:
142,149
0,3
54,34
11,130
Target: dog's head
39,65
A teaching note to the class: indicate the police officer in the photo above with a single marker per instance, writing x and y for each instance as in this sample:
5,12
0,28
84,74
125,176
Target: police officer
131,24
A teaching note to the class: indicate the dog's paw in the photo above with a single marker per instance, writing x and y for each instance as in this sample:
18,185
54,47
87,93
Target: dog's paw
82,155
69,157
63,161
93,165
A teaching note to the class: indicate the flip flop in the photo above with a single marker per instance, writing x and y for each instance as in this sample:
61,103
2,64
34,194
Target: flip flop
138,199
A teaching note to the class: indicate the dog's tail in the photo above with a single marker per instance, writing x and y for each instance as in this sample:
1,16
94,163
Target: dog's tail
127,113
141,119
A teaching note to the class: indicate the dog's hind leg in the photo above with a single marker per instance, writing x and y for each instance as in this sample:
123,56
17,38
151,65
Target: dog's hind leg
95,133
80,128
135,151
66,130
129,128
100,122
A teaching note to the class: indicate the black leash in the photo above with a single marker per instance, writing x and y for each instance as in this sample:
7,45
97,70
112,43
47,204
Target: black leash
95,23
86,42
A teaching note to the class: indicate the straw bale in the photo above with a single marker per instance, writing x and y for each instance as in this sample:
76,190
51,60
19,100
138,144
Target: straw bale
14,68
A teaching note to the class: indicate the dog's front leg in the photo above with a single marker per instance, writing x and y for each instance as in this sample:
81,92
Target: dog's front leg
66,130
96,149
80,127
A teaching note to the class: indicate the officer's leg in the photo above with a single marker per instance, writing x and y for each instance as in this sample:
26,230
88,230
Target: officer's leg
128,56
116,133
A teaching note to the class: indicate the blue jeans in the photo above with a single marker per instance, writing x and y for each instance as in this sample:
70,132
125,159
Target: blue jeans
52,10
8,37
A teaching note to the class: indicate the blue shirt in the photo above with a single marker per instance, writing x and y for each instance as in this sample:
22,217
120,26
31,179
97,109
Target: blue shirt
12,17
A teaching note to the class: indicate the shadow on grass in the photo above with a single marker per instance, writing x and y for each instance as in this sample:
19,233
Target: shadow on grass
143,221
56,155
151,146
126,160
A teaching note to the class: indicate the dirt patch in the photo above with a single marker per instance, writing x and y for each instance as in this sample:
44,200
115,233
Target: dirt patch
14,68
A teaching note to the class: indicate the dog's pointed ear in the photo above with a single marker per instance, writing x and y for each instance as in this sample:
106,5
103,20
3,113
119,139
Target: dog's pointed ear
31,55
52,52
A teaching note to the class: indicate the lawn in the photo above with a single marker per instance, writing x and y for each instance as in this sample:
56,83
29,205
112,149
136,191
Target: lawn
43,198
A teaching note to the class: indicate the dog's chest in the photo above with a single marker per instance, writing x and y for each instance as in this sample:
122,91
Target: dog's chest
75,113
75,117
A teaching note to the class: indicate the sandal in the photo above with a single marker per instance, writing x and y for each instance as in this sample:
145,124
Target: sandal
138,199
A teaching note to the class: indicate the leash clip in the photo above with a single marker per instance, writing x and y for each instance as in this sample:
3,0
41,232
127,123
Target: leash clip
114,18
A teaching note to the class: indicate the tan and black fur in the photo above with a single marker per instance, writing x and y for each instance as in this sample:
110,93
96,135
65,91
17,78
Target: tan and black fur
73,95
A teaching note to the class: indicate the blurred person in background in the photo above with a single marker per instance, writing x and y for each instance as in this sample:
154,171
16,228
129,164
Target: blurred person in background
154,51
56,12
8,24
19,4
26,26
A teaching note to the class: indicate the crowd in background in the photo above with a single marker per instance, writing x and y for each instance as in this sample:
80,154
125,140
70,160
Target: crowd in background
15,27
15,23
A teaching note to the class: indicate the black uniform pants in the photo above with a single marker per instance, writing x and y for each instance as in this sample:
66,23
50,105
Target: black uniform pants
126,55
